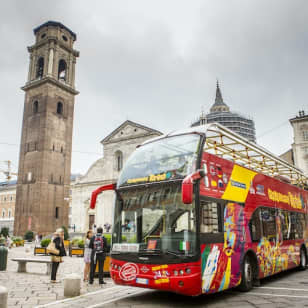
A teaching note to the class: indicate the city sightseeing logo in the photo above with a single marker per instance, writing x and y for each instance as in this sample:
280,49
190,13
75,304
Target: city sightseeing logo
151,178
129,271
294,201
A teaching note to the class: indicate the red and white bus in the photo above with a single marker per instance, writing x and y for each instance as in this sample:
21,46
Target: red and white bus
204,210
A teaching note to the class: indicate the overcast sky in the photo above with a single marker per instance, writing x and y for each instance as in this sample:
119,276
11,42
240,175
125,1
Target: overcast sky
156,63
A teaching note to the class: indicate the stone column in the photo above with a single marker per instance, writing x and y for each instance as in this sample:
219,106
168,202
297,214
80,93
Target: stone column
72,285
50,62
3,297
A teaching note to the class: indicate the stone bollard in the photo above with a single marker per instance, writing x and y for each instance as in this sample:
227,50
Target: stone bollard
72,285
3,297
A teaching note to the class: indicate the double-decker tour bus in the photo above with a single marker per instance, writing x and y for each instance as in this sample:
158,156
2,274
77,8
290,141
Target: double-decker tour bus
204,210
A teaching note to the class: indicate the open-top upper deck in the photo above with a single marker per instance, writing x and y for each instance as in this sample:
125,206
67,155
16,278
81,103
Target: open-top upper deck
227,144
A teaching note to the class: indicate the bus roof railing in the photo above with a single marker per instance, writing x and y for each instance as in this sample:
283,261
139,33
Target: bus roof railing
225,143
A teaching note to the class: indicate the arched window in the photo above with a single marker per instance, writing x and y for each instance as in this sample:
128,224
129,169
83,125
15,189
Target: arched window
40,68
3,213
119,160
9,213
59,108
62,70
35,107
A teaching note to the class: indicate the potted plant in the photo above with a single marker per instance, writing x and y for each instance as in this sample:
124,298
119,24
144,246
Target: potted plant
77,247
42,250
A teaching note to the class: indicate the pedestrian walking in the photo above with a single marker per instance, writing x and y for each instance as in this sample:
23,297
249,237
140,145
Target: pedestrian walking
56,258
87,256
37,240
8,242
107,227
98,244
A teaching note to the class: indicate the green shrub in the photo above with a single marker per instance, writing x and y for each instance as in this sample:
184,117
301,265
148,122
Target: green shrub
45,242
4,231
133,239
81,243
75,241
108,238
29,236
66,235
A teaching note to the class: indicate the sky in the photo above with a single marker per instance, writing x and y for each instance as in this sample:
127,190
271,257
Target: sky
156,63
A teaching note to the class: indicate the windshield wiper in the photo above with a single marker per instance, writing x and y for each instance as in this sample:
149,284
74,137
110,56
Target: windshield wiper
150,252
174,254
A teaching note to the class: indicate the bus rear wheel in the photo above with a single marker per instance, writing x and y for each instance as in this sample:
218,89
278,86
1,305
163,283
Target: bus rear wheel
247,275
303,260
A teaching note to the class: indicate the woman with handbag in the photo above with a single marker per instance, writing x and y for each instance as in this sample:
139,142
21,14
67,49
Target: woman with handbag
57,253
87,256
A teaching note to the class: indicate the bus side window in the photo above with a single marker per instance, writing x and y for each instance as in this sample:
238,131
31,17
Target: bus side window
268,223
211,222
285,225
297,225
255,226
293,233
210,217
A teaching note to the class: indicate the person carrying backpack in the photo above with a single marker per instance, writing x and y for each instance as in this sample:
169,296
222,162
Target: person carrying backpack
98,244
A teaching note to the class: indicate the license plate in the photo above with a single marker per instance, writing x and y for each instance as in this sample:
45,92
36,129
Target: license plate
142,280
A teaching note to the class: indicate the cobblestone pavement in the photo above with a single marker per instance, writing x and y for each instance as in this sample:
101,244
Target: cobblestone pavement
289,289
34,288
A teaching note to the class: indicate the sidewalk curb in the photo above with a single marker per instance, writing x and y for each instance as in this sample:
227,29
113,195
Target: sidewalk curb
77,297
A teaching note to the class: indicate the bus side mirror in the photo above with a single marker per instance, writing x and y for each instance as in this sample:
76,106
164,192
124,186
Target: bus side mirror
99,190
188,186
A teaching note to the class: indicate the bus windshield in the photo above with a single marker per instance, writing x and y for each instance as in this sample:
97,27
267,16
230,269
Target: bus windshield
154,220
164,159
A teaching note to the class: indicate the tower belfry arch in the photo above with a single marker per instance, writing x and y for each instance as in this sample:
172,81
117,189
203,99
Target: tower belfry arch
46,143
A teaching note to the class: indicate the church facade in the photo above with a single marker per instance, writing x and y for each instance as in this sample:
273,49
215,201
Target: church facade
117,147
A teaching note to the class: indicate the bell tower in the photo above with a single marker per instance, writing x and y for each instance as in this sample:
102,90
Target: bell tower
46,141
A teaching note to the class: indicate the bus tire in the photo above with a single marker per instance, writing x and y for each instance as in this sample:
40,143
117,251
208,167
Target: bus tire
303,259
247,275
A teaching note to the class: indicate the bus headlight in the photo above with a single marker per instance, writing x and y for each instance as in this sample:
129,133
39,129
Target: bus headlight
175,273
181,272
187,270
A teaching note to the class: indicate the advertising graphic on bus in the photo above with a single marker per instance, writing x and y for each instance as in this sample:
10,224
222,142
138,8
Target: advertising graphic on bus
204,210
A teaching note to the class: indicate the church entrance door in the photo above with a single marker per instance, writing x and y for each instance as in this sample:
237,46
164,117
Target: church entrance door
91,221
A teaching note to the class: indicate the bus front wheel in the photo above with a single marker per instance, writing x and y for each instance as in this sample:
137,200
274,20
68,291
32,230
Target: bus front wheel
247,275
303,259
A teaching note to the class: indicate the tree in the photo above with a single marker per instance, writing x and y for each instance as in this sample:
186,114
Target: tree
66,235
4,231
29,236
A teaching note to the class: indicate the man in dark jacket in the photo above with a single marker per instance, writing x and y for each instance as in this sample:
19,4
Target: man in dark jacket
98,244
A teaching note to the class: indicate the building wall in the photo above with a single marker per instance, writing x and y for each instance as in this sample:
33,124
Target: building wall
7,205
300,144
288,157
